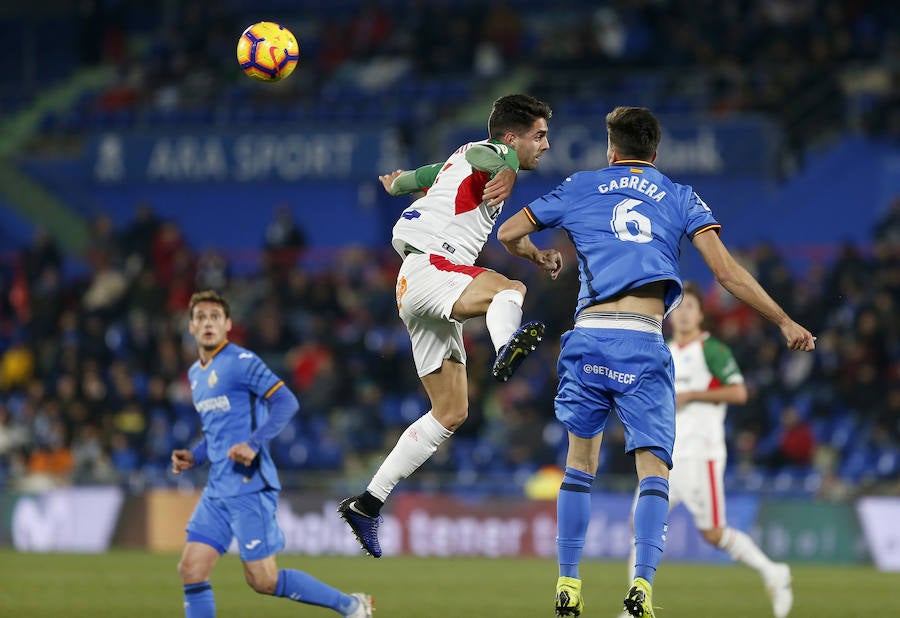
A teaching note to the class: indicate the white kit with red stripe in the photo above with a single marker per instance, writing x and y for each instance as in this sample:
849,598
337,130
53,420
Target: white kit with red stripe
699,425
451,219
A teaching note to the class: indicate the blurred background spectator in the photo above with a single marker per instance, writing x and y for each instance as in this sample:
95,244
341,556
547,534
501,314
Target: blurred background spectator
93,341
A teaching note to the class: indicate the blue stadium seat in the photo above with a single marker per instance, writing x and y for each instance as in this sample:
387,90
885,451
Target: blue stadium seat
888,463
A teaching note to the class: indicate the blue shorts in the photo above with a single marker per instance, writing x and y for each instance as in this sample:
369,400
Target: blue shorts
601,369
248,517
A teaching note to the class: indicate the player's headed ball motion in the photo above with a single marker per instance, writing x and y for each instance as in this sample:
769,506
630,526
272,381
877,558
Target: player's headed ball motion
268,51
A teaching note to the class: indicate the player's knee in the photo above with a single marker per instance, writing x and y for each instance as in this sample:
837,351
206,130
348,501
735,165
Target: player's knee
587,463
516,286
451,417
190,571
712,535
263,583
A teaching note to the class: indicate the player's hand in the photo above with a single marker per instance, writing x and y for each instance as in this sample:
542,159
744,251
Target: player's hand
182,459
499,187
388,179
242,453
797,337
549,260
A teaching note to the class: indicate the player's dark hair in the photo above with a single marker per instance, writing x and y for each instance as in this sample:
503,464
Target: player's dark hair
694,290
516,113
208,296
634,132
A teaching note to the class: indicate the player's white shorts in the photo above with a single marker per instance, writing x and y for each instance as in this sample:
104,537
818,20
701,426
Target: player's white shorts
428,285
698,484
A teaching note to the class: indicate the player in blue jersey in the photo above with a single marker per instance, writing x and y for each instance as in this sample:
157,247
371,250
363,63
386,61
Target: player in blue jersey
626,222
242,406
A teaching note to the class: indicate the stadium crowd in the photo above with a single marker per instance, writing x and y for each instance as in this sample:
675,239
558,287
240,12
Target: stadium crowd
92,364
93,386
816,66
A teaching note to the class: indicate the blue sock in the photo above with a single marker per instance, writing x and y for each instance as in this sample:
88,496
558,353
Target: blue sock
651,515
573,513
199,601
305,588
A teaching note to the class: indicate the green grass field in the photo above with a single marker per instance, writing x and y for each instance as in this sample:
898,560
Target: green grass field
140,585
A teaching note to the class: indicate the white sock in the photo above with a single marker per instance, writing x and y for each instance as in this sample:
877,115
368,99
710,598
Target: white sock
418,442
504,316
742,549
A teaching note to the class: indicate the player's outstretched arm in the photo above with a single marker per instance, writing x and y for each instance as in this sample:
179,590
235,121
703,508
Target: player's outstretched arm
388,179
743,286
403,182
514,235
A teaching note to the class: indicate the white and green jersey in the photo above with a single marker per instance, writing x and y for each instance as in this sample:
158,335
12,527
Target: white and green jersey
702,365
451,219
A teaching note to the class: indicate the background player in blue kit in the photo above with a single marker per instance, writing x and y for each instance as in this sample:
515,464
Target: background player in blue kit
242,406
626,222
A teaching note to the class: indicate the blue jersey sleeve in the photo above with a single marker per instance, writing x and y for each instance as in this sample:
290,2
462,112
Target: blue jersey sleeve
548,210
699,216
257,377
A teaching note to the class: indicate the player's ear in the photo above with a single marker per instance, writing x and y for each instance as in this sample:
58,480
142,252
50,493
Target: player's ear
227,325
653,158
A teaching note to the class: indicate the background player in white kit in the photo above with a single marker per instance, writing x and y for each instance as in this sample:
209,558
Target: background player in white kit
439,237
707,379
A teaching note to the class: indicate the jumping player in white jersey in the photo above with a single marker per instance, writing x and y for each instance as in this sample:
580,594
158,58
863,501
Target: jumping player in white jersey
439,237
626,222
707,379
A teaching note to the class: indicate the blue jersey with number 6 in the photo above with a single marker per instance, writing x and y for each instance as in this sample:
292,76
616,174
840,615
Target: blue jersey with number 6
626,222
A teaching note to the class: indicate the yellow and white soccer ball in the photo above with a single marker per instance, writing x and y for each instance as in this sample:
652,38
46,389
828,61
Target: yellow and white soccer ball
268,51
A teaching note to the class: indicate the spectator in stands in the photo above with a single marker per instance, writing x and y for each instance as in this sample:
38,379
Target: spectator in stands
284,242
853,298
42,254
797,443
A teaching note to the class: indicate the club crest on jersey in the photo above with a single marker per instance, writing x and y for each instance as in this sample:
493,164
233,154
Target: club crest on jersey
213,379
401,290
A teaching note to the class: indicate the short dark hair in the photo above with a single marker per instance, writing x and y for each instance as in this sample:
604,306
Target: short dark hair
208,296
694,290
633,132
516,112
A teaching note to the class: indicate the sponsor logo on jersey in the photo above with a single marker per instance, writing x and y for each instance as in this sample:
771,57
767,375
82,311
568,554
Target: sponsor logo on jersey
213,379
245,355
448,247
214,404
612,374
409,215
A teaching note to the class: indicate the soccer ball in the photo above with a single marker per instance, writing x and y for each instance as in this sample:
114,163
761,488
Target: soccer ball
267,51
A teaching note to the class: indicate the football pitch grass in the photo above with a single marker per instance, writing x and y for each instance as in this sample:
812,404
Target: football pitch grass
141,585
